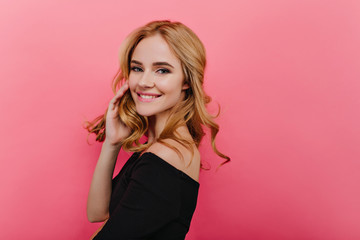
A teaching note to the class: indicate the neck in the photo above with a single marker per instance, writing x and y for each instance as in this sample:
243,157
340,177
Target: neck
156,126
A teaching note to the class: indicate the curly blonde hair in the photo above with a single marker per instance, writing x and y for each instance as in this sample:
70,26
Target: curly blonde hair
191,111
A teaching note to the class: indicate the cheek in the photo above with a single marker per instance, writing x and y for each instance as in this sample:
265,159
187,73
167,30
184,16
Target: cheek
172,85
132,86
132,83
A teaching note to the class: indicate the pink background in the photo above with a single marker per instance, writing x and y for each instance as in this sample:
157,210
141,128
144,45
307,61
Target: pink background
286,74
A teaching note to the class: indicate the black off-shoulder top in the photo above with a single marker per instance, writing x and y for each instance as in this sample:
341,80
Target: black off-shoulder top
151,199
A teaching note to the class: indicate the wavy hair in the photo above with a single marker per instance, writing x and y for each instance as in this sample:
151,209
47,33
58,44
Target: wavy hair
191,111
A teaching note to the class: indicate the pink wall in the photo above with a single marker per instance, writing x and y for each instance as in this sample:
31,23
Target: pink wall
286,74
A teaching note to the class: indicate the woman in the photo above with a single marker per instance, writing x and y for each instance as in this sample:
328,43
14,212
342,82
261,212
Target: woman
161,97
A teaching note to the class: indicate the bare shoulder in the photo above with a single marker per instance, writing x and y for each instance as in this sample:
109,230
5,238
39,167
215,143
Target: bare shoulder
189,164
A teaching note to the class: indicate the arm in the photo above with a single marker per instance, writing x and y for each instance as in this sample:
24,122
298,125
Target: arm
98,230
151,201
100,188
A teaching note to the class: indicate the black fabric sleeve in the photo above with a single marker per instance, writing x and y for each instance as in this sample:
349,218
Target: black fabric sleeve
151,200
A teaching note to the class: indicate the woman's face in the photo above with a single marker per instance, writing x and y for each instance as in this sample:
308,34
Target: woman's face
156,79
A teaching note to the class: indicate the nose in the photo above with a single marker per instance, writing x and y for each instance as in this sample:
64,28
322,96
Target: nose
147,80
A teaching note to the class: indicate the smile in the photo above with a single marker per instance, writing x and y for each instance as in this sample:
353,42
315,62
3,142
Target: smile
148,97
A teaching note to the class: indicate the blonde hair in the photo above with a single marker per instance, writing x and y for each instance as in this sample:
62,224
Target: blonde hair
190,111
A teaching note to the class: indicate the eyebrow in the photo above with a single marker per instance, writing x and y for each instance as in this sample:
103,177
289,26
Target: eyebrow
154,64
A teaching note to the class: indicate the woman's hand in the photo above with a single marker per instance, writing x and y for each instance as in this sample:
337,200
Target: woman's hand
115,129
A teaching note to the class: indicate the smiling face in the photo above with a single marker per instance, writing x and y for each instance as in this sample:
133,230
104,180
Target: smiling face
156,79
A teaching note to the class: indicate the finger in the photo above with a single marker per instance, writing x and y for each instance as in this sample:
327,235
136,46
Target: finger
118,95
121,91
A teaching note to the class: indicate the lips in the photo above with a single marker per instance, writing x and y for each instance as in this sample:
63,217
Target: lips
147,97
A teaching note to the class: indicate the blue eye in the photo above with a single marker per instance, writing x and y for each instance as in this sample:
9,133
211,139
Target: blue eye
163,71
136,69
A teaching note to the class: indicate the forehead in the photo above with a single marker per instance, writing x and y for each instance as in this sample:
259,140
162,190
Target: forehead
154,49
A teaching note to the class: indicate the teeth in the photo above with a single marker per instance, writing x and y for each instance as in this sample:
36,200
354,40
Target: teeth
147,96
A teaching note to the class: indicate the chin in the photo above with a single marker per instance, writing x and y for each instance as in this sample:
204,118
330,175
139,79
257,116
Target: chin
145,112
148,112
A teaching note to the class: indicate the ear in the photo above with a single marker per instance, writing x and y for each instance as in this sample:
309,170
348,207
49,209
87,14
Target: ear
185,86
